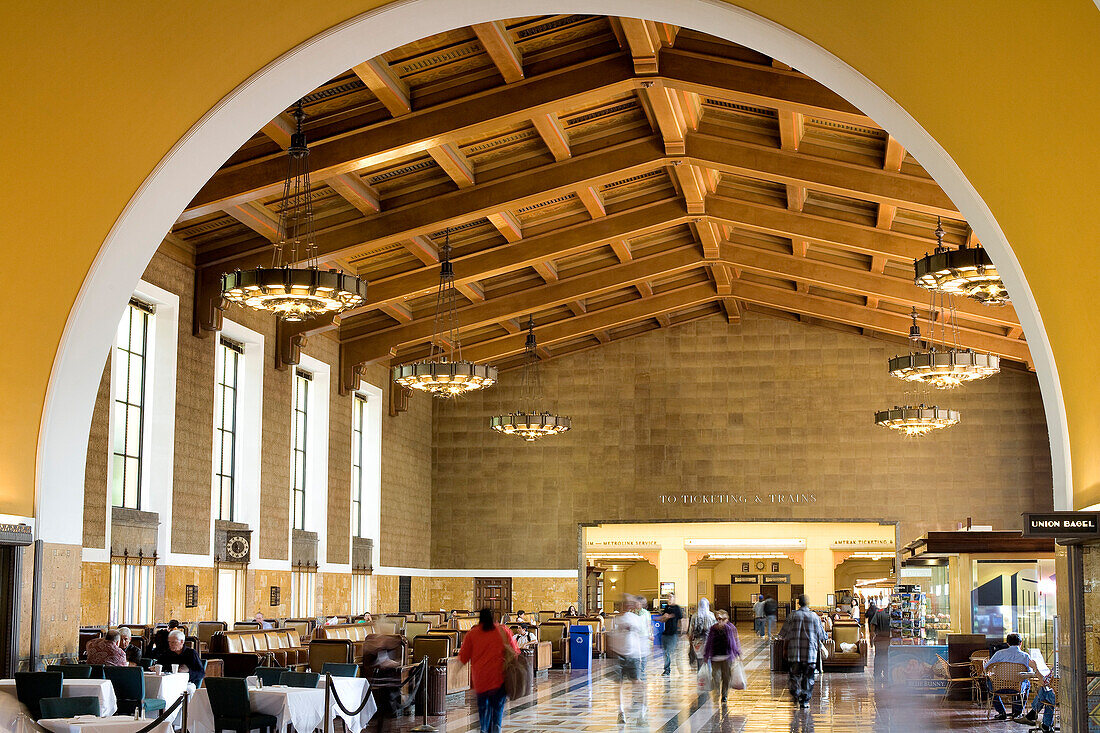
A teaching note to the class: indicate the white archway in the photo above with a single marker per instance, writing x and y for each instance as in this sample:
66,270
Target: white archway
131,243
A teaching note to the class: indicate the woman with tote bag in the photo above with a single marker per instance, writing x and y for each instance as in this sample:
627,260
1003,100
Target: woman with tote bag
698,628
488,648
722,652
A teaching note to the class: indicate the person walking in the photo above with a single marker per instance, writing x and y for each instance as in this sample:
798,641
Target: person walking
483,650
878,626
758,622
721,649
631,637
670,634
698,628
771,615
803,635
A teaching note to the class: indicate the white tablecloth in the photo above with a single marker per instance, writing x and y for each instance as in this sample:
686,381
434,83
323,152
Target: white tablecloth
167,687
101,689
300,707
89,724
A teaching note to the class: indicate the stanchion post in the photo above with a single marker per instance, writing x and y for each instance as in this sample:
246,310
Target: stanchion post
424,727
183,715
328,703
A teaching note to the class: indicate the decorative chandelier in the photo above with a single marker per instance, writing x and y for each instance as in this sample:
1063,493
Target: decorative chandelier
942,364
444,373
530,424
916,421
964,271
290,291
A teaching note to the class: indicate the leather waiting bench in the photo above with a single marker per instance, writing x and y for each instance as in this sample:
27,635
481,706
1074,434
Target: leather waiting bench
846,632
243,651
355,633
438,649
557,633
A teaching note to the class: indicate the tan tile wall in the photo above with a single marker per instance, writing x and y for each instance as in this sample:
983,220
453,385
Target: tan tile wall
336,595
448,593
1091,573
770,407
536,594
260,599
384,593
60,602
95,593
176,580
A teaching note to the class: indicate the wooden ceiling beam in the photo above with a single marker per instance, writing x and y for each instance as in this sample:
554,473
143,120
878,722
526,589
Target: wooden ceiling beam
667,113
792,127
593,202
386,85
475,202
884,218
356,192
644,43
553,134
857,315
796,197
732,309
256,217
621,248
563,242
579,307
851,280
663,319
614,316
280,129
644,289
423,248
819,174
472,290
816,229
569,88
709,237
398,311
693,187
546,270
378,344
454,163
507,224
723,279
498,43
895,154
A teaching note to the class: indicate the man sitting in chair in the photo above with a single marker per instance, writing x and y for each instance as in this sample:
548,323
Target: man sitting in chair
1044,699
1012,653
185,659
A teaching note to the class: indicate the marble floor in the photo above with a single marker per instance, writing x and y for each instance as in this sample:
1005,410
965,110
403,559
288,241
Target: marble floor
588,701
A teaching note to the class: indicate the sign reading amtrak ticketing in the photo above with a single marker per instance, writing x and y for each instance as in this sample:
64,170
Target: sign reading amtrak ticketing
1062,524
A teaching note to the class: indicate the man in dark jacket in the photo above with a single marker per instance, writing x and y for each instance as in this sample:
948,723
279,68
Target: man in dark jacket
771,615
879,628
185,658
803,635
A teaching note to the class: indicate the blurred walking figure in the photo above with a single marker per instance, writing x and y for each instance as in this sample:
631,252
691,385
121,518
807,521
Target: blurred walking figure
670,636
804,635
722,648
879,626
483,650
758,622
698,628
632,638
771,615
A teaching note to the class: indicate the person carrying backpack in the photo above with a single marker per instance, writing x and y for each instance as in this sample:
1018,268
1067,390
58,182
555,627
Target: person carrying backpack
722,651
771,614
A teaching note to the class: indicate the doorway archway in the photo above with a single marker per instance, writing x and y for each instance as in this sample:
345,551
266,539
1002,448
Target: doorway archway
191,162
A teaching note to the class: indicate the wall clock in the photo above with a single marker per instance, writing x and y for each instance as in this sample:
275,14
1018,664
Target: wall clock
760,565
237,548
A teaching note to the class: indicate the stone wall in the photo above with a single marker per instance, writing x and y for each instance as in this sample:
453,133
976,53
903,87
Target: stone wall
765,411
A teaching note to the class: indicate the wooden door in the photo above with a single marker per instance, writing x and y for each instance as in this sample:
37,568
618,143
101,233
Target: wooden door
494,594
798,589
722,598
770,591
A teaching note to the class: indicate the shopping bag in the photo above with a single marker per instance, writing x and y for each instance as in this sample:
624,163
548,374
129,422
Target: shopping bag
737,675
702,677
515,670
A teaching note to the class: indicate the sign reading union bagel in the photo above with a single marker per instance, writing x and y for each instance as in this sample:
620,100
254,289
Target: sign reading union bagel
769,498
1062,524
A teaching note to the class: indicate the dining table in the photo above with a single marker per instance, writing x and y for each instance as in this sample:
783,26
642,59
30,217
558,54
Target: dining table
101,689
108,724
167,686
300,707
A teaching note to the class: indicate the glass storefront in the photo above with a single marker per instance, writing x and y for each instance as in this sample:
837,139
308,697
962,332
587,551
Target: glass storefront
938,607
1013,596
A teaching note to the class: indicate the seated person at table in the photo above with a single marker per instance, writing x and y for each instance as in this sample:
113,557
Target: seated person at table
132,651
160,639
1044,698
186,658
1012,653
521,617
524,635
259,618
106,651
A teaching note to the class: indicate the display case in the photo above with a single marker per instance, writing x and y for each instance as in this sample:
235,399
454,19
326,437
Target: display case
908,609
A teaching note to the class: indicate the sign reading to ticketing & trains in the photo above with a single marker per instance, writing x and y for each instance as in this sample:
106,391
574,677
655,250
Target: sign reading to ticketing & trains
1062,524
769,498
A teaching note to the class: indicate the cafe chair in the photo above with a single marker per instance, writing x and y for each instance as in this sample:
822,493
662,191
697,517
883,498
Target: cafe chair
71,671
337,669
129,684
941,670
146,663
1005,679
269,676
299,679
231,707
69,707
97,672
32,687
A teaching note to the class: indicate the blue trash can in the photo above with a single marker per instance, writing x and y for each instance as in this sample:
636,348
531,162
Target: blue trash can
658,628
580,647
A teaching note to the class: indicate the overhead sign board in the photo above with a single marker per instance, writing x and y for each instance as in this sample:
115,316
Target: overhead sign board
784,579
745,579
1062,524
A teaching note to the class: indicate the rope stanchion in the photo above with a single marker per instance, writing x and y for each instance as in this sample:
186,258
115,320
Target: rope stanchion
424,727
31,725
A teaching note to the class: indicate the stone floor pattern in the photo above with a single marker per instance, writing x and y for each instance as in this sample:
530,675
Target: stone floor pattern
843,702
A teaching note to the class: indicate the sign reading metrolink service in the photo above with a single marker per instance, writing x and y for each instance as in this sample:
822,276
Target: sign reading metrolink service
1062,524
769,498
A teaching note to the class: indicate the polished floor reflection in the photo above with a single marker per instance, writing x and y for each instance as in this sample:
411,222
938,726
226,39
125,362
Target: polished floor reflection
582,701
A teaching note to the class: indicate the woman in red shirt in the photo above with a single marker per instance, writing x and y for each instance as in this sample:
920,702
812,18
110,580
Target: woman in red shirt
483,649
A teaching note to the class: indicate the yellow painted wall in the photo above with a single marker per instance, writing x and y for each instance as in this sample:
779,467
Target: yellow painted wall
1007,87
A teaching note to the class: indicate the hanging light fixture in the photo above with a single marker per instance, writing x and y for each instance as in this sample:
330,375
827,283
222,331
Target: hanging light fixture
291,291
530,423
916,421
444,373
964,271
942,364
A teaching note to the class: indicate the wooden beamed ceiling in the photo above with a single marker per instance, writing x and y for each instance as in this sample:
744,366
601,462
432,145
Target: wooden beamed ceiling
606,176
